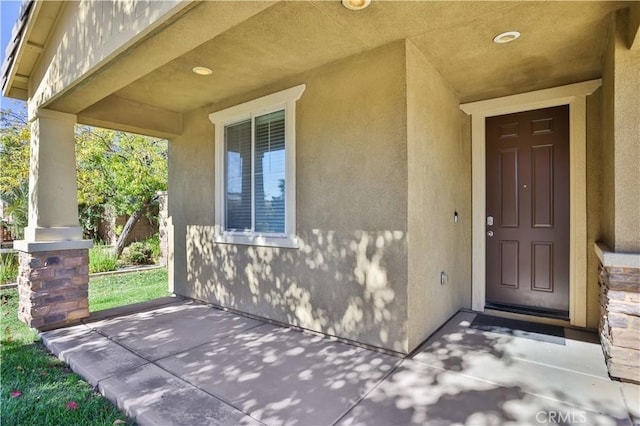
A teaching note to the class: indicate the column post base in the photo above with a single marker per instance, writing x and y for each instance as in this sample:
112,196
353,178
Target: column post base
53,280
620,313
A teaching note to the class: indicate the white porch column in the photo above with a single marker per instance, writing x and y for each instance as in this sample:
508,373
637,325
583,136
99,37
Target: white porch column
54,274
53,202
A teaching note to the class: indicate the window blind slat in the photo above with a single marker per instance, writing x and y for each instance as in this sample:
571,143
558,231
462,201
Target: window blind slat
269,163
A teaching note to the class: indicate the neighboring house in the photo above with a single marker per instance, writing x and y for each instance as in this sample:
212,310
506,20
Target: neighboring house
356,172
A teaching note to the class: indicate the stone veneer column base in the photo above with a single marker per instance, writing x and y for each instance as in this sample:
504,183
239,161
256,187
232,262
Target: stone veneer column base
620,321
53,287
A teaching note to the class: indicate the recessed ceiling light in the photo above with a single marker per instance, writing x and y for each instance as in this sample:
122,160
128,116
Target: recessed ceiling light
506,37
202,70
356,4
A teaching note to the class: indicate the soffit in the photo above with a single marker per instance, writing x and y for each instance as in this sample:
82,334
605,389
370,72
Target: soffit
26,45
562,42
286,39
38,37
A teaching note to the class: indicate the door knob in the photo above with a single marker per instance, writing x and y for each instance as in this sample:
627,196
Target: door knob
490,233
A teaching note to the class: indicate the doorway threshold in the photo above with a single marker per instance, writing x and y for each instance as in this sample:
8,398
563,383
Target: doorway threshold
526,310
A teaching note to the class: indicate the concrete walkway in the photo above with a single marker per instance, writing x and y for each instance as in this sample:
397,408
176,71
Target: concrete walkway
189,364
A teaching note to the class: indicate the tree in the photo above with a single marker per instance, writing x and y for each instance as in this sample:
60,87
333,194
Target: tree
14,163
117,169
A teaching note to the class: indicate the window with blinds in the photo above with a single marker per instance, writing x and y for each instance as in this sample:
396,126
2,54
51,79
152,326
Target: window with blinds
255,174
255,171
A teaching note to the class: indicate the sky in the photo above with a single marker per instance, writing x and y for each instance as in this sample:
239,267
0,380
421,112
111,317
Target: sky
8,16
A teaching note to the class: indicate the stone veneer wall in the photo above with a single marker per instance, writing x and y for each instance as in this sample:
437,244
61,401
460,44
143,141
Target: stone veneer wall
53,287
620,321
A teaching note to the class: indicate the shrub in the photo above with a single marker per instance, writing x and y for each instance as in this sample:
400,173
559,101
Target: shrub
139,253
102,259
154,244
144,252
8,267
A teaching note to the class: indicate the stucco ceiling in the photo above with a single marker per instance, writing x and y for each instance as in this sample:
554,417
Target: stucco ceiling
561,43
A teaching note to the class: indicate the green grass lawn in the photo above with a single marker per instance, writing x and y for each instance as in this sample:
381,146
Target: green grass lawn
38,389
124,289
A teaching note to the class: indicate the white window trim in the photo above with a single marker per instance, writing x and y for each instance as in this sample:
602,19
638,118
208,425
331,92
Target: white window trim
285,99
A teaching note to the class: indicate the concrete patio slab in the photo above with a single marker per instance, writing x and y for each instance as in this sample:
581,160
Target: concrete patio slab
90,354
417,394
581,390
154,397
191,364
569,371
171,329
631,395
282,376
578,351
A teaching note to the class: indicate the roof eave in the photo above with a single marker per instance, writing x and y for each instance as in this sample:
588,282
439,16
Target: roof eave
16,47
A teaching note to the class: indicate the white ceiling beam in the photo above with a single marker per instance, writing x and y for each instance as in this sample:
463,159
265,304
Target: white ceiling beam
117,113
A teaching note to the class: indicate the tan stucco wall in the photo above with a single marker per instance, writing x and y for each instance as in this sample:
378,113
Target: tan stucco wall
86,34
349,276
621,142
439,170
191,175
608,138
594,203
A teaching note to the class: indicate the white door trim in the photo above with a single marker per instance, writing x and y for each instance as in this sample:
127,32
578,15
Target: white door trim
574,95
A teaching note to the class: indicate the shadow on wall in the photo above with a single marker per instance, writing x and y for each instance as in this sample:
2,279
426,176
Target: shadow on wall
349,285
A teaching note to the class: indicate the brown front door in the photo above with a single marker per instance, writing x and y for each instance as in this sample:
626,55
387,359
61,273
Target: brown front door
528,211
